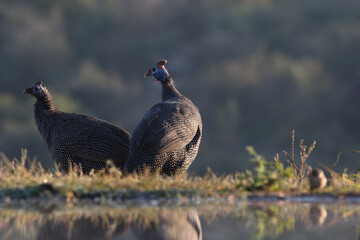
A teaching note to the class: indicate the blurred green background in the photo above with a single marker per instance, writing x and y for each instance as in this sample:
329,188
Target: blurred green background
255,68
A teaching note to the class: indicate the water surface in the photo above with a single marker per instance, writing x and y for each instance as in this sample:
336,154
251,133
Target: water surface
238,220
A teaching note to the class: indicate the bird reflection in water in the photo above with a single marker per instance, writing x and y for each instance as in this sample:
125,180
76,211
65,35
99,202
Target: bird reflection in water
318,214
153,223
84,228
169,225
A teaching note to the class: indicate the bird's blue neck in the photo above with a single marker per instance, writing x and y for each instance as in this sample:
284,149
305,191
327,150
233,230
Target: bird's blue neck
169,90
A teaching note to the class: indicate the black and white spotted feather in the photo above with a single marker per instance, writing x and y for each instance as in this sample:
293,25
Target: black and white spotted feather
167,139
78,138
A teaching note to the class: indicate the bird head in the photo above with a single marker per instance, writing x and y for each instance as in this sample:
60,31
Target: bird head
316,173
38,90
158,71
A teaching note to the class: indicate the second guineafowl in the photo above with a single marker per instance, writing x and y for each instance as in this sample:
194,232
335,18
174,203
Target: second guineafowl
167,139
78,138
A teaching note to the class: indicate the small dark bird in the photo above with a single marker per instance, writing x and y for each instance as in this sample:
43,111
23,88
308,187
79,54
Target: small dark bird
78,138
317,179
167,139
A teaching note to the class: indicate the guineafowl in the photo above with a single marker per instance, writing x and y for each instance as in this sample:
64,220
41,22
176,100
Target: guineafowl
78,139
167,139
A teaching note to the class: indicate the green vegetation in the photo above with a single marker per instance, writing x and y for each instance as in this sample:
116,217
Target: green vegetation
273,175
340,153
24,179
267,175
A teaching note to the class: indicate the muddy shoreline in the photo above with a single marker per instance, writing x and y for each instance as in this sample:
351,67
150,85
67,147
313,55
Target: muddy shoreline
45,194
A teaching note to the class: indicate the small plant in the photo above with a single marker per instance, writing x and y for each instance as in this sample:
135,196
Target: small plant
267,175
305,151
340,153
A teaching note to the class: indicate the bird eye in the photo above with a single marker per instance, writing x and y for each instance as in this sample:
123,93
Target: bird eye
153,69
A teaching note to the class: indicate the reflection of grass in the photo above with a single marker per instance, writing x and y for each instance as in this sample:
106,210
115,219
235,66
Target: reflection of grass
271,221
106,219
263,220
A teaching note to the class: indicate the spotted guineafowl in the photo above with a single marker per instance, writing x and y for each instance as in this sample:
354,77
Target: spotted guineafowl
167,139
78,138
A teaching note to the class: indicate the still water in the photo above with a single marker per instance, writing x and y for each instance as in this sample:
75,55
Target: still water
239,220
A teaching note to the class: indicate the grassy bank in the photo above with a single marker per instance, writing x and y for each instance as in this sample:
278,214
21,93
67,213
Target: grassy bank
25,179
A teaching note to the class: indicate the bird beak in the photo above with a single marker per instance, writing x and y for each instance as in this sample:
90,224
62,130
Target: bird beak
28,90
148,73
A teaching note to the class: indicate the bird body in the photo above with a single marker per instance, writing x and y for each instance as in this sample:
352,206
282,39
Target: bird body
317,179
167,138
78,138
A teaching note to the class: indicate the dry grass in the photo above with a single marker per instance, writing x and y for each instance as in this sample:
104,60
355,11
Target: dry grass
300,169
18,181
25,179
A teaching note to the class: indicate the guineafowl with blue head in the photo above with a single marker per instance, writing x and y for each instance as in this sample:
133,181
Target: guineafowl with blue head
167,139
77,139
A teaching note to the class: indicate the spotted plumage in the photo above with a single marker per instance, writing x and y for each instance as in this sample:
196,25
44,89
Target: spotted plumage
167,139
78,138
